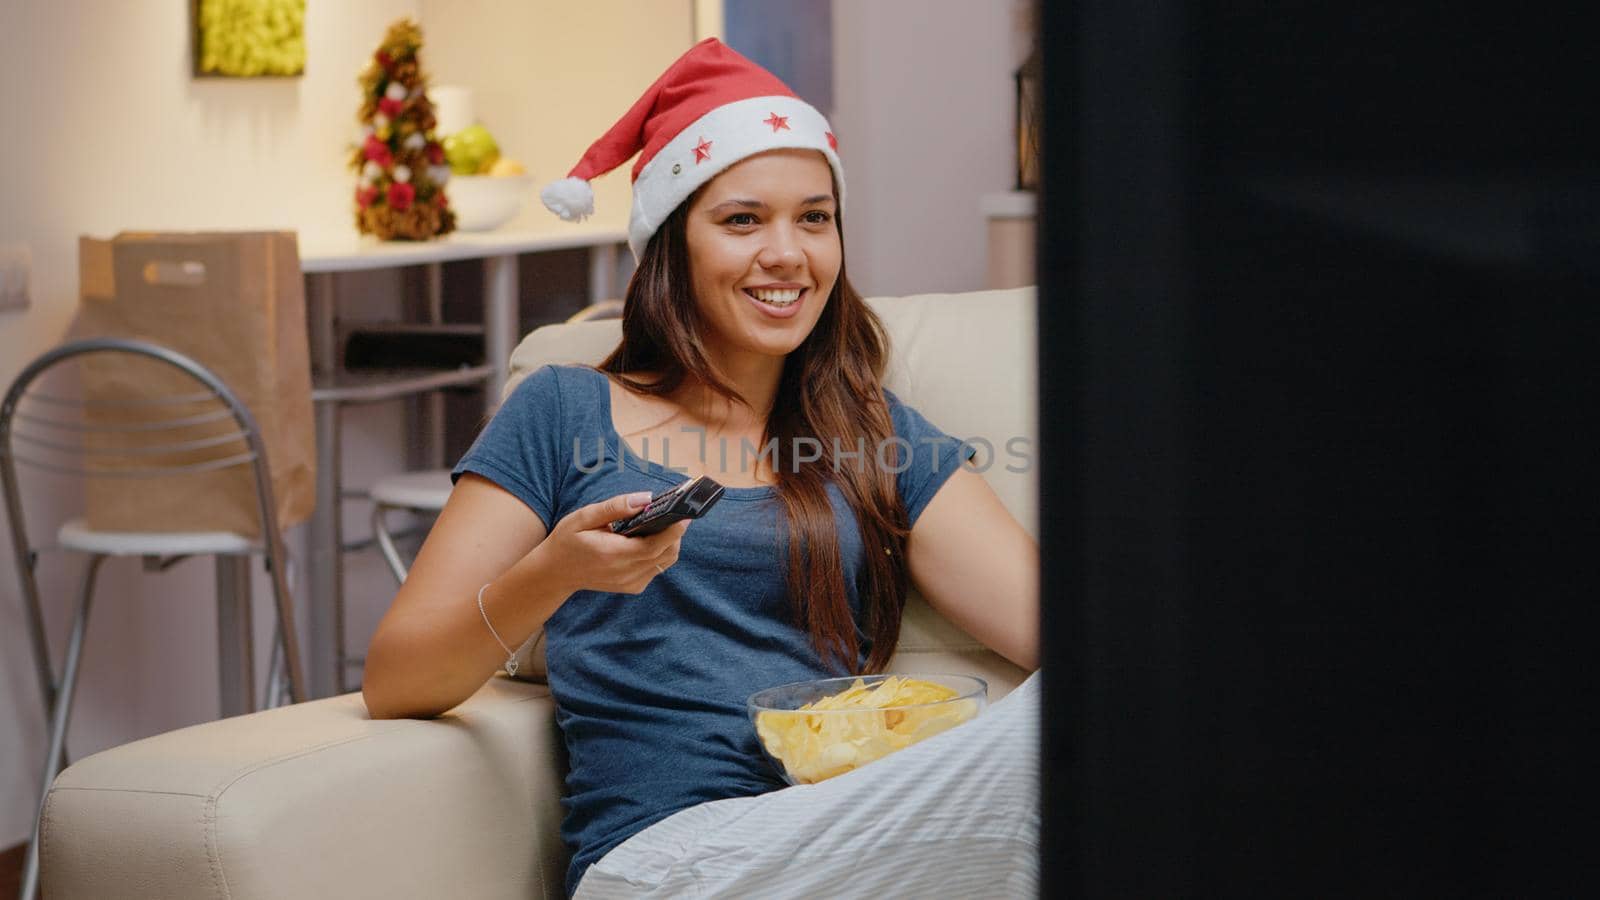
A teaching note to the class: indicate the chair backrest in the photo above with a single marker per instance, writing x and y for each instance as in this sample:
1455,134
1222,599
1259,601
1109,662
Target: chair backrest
967,362
166,418
600,309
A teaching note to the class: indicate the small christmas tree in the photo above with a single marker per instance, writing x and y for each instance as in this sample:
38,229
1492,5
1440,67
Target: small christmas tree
401,166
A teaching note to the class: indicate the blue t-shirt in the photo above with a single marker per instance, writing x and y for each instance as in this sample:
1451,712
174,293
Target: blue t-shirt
650,689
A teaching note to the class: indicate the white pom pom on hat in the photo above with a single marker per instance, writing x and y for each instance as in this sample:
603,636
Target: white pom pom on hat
570,198
708,110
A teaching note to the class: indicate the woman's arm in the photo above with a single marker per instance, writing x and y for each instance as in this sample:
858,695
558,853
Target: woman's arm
433,650
975,564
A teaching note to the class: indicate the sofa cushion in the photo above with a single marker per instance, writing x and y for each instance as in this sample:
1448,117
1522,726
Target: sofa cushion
318,799
966,362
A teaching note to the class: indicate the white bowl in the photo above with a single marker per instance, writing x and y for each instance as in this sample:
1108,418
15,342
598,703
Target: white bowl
485,202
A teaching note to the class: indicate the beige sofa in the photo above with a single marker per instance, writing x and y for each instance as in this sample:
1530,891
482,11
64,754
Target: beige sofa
318,800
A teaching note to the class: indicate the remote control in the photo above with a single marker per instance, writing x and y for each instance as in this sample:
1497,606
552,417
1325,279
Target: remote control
689,500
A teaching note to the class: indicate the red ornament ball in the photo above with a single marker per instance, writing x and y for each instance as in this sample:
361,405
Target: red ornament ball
400,196
366,196
377,150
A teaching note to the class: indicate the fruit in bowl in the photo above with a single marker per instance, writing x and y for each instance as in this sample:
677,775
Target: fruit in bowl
814,730
471,151
486,189
505,166
485,202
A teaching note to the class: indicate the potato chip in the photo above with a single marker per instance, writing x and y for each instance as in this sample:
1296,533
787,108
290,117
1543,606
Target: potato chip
844,731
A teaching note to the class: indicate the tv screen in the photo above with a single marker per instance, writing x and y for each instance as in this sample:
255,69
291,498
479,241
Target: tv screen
1318,348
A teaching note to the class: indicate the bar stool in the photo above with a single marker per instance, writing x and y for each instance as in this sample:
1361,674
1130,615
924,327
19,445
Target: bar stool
421,492
427,490
151,437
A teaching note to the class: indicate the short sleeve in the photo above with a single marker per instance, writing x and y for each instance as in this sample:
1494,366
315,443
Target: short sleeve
520,448
927,457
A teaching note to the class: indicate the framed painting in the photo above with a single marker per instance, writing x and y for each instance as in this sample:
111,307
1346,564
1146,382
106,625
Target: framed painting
248,38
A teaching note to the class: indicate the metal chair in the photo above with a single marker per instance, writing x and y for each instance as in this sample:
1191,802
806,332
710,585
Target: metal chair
71,435
426,491
423,491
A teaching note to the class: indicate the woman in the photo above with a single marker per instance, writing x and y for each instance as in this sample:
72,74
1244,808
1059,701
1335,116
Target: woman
746,356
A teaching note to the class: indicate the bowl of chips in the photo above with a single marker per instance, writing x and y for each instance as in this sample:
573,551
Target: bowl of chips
814,730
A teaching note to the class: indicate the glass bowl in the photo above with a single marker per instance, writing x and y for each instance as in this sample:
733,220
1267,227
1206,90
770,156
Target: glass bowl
808,746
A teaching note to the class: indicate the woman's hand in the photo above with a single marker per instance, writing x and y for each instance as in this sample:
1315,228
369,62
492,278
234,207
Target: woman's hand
590,557
431,650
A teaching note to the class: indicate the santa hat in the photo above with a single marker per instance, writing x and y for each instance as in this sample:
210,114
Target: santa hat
706,112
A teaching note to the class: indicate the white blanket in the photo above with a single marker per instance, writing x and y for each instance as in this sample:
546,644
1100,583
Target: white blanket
954,816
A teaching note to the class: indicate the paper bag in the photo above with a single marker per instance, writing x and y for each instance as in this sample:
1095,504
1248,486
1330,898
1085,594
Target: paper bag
235,303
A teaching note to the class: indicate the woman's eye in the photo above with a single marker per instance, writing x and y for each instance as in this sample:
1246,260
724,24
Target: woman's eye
818,217
740,219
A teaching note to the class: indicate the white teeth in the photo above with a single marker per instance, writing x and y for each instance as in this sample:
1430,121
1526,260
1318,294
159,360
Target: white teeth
777,298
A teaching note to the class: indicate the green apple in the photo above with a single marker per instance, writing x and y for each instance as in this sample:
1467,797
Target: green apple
471,150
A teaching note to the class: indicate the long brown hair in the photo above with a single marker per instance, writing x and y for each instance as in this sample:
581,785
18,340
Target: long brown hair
831,392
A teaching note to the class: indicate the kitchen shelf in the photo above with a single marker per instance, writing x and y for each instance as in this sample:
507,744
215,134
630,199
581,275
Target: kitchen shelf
377,385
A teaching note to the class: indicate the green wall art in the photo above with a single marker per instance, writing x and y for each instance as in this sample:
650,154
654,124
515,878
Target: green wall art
249,38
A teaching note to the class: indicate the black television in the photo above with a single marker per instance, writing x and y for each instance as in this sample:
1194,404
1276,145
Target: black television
1318,348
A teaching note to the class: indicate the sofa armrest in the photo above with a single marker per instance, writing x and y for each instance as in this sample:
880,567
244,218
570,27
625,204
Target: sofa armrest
318,800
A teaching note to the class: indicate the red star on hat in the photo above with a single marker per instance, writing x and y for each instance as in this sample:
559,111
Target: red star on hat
832,141
778,123
702,151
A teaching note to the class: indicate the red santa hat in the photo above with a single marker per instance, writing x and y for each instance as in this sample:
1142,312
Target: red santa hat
706,112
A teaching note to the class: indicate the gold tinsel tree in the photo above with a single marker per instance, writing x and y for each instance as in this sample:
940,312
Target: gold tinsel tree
401,166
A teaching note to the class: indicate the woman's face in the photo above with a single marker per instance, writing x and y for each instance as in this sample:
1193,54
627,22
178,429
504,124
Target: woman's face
764,252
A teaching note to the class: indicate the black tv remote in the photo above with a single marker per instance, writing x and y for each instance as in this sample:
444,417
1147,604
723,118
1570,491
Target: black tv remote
689,500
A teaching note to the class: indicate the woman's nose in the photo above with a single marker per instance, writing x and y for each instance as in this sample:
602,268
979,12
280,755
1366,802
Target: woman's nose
783,251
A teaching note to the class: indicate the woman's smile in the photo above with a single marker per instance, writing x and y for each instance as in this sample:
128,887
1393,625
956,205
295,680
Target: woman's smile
775,301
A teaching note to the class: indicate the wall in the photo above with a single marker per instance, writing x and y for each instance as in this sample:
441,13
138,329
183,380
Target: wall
924,109
548,78
105,130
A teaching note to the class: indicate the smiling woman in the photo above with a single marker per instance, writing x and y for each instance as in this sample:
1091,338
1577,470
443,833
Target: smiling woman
778,254
758,233
741,325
